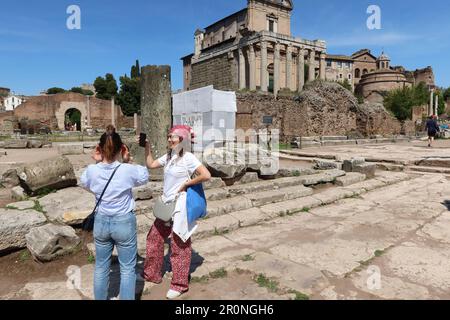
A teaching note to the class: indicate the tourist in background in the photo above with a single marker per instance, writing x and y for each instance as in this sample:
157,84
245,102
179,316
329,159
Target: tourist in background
432,128
178,165
115,221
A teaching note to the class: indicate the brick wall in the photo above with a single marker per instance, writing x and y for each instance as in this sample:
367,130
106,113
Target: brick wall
219,72
300,118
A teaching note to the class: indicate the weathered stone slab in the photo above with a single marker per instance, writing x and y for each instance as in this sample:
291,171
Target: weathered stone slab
334,138
70,206
10,178
55,173
367,169
249,177
18,194
143,192
350,178
214,183
290,275
216,226
349,165
221,207
35,144
23,205
16,144
70,149
51,241
15,224
327,165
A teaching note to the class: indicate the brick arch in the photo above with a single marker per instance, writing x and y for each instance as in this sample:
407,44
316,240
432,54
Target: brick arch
65,106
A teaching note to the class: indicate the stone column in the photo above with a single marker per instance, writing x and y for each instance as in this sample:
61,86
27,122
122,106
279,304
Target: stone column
136,123
113,112
242,77
430,109
322,66
252,67
312,65
156,106
264,74
88,107
289,67
300,69
276,69
436,105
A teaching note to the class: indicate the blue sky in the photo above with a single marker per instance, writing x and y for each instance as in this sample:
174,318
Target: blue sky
37,51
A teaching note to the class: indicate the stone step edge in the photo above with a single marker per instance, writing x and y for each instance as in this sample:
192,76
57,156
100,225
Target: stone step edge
250,218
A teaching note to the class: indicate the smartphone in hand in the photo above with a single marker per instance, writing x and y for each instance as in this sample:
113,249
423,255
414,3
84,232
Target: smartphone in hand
142,140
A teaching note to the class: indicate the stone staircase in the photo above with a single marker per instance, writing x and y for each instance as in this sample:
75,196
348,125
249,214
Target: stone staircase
249,204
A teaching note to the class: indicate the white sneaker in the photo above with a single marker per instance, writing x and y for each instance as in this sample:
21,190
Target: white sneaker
172,294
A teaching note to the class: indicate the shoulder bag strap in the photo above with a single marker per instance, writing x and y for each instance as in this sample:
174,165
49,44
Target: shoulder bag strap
104,190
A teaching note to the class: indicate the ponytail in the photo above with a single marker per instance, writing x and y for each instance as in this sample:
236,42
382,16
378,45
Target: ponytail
110,143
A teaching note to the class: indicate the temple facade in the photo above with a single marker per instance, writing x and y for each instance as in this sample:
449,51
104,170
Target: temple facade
253,49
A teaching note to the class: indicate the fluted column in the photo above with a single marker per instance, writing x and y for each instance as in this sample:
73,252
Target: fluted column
242,84
264,73
276,69
289,67
312,66
322,66
430,109
300,69
252,67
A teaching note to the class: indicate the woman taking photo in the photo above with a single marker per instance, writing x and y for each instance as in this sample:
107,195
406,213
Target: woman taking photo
115,222
178,166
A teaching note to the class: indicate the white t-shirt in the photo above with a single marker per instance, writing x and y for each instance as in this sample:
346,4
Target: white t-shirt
176,172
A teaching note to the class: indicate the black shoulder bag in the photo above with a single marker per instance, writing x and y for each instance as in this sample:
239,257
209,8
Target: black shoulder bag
88,223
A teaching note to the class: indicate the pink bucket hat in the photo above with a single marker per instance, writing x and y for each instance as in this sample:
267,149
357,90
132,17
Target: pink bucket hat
184,132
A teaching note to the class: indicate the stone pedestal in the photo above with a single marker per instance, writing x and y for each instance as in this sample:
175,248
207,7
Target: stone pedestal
156,106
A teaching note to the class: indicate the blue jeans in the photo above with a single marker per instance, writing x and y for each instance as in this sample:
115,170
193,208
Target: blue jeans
119,231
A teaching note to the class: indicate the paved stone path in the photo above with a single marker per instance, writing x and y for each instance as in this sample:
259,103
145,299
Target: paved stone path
390,243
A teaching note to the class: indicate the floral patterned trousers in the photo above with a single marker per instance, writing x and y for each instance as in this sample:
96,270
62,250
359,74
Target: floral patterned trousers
180,258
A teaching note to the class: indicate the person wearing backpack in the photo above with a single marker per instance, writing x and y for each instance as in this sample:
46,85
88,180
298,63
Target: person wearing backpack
432,128
179,165
115,221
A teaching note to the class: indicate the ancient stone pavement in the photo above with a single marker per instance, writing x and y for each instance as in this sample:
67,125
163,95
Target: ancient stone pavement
385,238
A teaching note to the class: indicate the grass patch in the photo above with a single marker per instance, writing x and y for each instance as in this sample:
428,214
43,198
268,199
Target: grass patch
247,258
203,279
306,210
221,273
296,173
44,192
11,207
379,253
299,295
265,282
219,233
284,146
25,255
91,259
38,207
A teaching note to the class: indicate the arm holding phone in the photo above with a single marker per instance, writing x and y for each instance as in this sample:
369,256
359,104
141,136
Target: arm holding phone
143,142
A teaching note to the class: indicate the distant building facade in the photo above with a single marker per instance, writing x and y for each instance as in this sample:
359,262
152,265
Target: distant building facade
340,68
253,49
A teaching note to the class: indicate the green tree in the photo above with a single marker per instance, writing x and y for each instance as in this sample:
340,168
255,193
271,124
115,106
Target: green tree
447,94
129,97
401,101
135,70
55,90
88,92
76,90
346,84
106,87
